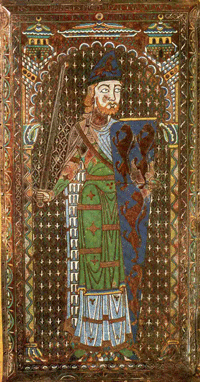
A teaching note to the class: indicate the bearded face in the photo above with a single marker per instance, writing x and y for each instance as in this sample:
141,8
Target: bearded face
110,109
107,97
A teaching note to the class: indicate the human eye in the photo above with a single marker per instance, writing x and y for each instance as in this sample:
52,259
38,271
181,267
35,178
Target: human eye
104,90
117,89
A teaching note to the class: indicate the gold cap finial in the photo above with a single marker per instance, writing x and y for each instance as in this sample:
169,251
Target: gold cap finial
99,16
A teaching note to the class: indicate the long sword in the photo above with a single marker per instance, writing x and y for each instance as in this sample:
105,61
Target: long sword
52,131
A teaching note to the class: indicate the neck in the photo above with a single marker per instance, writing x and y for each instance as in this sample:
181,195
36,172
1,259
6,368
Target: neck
98,119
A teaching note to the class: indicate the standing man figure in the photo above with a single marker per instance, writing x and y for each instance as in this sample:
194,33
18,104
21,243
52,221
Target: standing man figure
104,320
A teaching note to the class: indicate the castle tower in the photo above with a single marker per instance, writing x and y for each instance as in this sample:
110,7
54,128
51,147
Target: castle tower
160,45
38,47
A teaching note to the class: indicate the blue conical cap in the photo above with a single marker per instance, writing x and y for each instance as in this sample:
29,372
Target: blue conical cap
106,69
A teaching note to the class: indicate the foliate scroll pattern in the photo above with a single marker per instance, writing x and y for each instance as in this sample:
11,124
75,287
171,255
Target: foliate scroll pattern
198,180
7,197
183,154
193,188
18,190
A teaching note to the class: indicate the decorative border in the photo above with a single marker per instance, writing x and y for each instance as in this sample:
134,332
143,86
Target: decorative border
193,189
187,144
55,7
183,145
198,184
2,31
17,182
8,298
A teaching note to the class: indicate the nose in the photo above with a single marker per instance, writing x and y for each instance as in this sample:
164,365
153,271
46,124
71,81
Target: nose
112,95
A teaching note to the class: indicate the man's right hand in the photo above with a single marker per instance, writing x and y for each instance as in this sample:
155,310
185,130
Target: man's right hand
44,196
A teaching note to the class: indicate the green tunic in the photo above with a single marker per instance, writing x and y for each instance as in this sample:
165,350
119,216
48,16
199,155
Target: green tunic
103,319
100,250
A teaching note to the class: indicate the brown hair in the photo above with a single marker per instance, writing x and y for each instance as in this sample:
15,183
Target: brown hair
89,99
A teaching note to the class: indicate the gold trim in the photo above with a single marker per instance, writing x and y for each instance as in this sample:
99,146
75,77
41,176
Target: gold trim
138,119
173,342
103,292
83,289
173,146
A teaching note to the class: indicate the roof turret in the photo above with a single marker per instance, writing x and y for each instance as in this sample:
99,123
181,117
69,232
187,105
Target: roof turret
160,28
38,30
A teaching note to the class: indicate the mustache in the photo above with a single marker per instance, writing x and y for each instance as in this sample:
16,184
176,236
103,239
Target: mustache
110,108
111,104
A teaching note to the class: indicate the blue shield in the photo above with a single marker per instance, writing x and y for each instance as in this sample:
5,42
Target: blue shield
132,144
